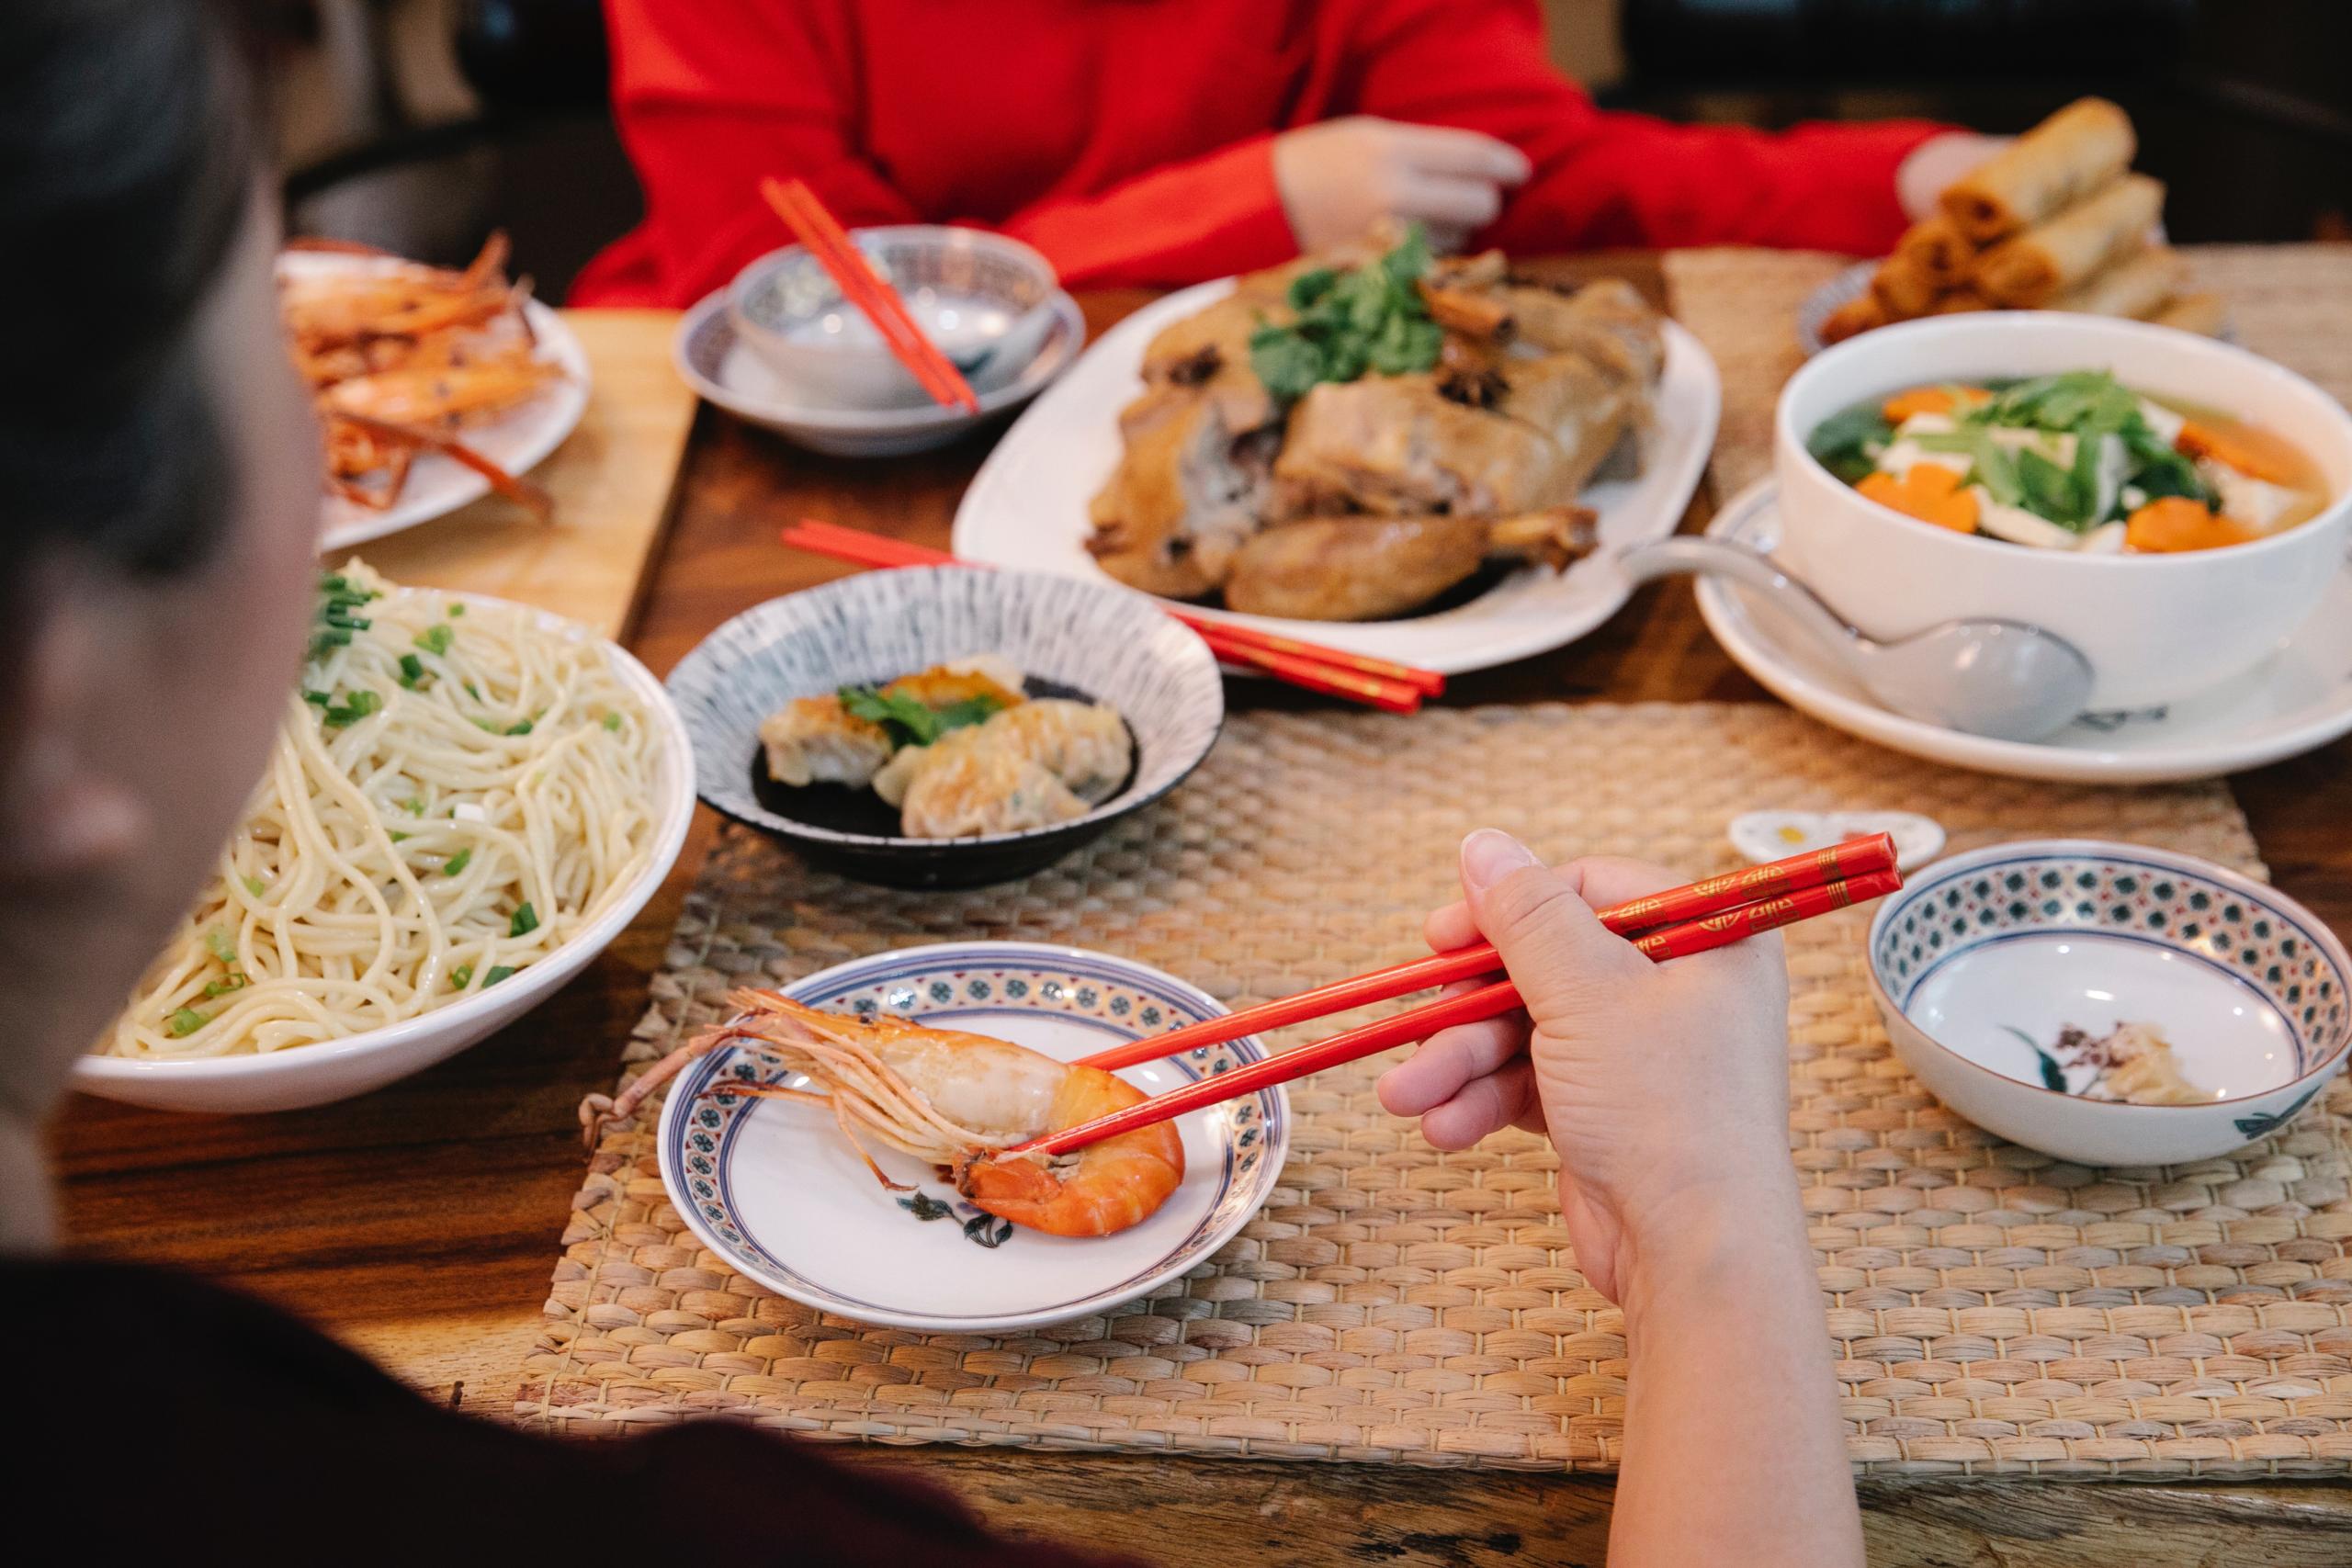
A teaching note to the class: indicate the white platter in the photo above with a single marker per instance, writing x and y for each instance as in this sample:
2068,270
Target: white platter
773,1189
1026,508
2299,699
516,441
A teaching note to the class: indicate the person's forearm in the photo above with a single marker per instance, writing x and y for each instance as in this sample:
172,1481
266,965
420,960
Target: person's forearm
1735,1452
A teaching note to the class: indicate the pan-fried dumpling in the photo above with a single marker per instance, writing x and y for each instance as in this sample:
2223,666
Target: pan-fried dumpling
1085,745
968,786
814,741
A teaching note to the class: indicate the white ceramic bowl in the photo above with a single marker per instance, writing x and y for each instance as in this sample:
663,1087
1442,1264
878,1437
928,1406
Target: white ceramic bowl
1985,957
2156,628
338,1069
985,300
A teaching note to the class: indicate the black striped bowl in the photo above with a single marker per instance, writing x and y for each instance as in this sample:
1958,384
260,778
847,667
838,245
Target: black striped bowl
1076,636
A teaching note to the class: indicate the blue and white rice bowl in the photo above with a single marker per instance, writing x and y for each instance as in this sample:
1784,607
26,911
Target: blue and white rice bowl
1103,643
1982,961
778,1194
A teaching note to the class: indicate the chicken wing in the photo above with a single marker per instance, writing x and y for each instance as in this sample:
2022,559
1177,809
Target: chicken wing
1371,568
1607,322
1393,445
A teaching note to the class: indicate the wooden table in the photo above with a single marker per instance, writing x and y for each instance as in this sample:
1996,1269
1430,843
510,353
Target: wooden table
421,1222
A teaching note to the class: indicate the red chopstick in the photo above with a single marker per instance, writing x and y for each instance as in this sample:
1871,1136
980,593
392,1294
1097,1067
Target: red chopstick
864,285
1382,683
1714,897
1420,1022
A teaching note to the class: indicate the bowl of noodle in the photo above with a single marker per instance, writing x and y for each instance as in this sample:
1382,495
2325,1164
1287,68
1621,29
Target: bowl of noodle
467,800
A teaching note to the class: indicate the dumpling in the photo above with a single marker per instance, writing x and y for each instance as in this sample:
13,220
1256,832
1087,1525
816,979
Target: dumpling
815,740
1085,745
964,784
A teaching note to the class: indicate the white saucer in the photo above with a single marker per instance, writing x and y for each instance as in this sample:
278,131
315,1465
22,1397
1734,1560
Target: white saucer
2298,699
723,371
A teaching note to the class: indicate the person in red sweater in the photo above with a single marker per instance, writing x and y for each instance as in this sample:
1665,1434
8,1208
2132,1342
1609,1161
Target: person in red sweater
1160,142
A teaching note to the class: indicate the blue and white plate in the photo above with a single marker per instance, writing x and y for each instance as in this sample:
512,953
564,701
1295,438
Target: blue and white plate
1070,638
773,1189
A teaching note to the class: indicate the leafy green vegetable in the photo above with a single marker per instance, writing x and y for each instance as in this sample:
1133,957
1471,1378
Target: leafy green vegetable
1848,443
525,922
2051,492
1365,318
909,721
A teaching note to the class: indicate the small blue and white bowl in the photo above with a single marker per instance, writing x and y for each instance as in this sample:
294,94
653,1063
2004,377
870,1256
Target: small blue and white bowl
774,1189
986,301
1072,637
1981,961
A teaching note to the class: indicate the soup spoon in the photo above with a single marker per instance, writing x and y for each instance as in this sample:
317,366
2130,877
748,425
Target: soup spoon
2004,680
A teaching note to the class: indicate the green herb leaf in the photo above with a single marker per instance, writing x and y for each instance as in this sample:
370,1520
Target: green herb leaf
459,861
1286,362
437,637
525,922
2051,492
1367,318
1848,443
185,1021
1310,286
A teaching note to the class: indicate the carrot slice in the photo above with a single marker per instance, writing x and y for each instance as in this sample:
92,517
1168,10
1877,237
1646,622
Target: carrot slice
1930,400
2255,453
1929,492
2175,523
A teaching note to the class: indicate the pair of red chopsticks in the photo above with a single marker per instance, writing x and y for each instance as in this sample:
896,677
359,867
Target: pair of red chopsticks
1378,683
863,285
1694,918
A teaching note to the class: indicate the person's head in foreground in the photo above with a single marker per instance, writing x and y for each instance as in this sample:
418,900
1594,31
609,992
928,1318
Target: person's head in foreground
159,463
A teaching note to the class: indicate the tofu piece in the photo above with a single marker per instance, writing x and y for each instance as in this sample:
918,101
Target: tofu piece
2163,421
2019,526
2257,504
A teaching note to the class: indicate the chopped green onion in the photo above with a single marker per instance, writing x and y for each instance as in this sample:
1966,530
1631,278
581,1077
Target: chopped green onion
256,887
525,922
435,638
318,699
399,836
222,943
457,610
413,807
221,988
473,691
458,862
187,1022
520,726
612,721
497,972
354,708
412,670
461,976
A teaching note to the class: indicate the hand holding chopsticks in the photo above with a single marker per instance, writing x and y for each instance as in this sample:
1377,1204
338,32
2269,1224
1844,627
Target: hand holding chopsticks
1685,921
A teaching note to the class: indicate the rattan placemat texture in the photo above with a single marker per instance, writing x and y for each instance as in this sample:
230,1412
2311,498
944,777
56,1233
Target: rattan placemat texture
1994,1309
2290,303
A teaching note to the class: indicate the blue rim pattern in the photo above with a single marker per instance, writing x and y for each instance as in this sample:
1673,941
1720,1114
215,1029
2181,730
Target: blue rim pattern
696,1163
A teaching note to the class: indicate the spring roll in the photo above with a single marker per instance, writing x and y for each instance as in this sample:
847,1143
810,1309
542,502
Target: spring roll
1937,248
2073,152
1959,300
1853,317
2035,267
2203,313
2137,286
1903,287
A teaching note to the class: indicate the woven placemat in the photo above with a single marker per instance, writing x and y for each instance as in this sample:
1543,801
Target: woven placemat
1994,1309
2292,303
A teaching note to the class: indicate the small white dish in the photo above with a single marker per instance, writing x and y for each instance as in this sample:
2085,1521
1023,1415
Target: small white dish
773,1189
1027,507
1977,966
1765,836
984,300
2298,699
517,441
337,1069
2156,628
721,369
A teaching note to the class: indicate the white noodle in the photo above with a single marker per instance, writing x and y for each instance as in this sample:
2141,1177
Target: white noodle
330,925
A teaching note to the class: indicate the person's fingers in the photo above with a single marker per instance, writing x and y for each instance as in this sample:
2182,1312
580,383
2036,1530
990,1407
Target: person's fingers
1552,945
1449,1059
1451,200
1485,1106
1608,880
1444,240
1447,149
1450,927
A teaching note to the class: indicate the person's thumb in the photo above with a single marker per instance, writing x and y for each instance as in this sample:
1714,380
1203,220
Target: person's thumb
1555,948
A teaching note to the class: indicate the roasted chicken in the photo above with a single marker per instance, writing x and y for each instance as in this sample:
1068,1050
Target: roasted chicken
1373,568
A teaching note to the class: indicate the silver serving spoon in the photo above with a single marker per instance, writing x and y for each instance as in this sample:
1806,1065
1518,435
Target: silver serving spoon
2001,679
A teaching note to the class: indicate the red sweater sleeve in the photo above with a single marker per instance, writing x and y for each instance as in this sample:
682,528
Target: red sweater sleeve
711,97
1620,179
1176,225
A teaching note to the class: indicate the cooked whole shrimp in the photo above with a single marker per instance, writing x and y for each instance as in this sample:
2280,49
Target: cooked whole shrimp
950,1098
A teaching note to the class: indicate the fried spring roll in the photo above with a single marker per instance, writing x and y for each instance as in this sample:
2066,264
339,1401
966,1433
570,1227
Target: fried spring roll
1935,247
1903,287
1853,317
1960,302
2137,286
2065,253
2203,313
2073,152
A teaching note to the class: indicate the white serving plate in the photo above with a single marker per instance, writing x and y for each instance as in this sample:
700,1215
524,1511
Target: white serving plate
517,441
2298,699
337,1069
1026,508
771,1187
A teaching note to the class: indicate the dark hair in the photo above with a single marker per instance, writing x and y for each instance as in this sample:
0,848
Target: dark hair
126,160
